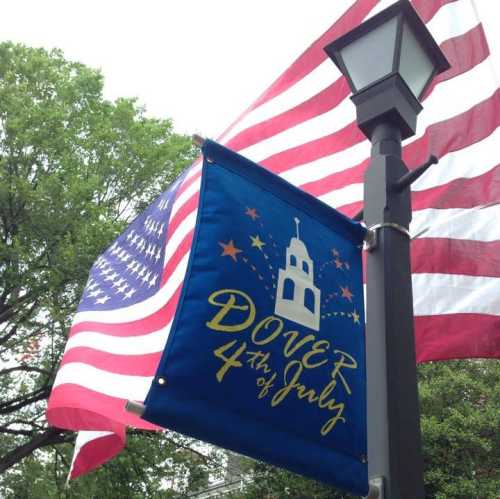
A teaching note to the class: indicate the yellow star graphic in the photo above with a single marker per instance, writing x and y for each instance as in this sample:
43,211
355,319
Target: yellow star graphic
256,242
229,249
252,213
355,317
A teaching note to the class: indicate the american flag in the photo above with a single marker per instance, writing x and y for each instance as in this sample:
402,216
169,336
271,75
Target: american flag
303,128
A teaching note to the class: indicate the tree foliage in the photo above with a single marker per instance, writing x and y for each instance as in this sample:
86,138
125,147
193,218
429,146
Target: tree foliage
74,169
152,465
460,421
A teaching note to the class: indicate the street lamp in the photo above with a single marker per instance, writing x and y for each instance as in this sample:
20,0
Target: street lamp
389,62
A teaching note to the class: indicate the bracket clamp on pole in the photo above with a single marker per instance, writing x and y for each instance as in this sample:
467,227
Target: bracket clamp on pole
376,490
371,238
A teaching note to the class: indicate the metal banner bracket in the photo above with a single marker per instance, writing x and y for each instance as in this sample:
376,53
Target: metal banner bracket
371,238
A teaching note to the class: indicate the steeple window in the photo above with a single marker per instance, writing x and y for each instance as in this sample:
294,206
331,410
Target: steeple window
305,267
288,289
309,300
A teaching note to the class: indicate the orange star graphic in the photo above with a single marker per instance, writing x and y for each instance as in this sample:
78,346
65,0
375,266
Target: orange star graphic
229,249
338,264
252,213
346,293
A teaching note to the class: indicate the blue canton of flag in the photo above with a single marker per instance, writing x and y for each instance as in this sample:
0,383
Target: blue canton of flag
130,270
266,354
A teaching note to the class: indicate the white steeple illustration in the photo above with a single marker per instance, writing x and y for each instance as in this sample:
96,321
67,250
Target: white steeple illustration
297,298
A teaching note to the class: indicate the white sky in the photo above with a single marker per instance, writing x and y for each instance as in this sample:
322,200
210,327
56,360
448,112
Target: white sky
198,62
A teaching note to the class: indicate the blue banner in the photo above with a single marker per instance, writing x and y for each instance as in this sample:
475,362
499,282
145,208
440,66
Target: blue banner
266,354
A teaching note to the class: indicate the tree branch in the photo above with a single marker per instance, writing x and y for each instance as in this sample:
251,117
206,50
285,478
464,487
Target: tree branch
4,372
10,310
28,433
51,436
24,422
6,337
22,401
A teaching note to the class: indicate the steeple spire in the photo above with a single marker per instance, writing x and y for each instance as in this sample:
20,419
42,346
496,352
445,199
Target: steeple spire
297,222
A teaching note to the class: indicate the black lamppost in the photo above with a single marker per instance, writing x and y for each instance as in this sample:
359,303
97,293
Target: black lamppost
389,62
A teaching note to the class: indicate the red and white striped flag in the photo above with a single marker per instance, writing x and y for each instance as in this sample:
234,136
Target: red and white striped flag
303,128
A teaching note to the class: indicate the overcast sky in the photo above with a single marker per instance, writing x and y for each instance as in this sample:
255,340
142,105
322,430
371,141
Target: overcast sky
198,62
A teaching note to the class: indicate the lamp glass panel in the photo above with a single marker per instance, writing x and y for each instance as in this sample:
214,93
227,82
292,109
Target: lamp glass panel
371,56
416,66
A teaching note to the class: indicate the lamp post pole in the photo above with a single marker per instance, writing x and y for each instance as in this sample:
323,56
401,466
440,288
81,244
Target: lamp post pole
394,443
389,62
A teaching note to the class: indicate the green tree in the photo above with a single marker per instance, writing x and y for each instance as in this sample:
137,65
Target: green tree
460,420
74,169
152,465
460,403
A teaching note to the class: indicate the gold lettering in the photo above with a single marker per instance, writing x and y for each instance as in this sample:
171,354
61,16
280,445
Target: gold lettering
290,348
323,402
263,324
236,313
265,384
262,359
280,395
316,350
226,307
328,426
304,393
228,361
292,373
339,364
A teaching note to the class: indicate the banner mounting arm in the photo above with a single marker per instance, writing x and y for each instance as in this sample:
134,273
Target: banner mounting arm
136,408
406,180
